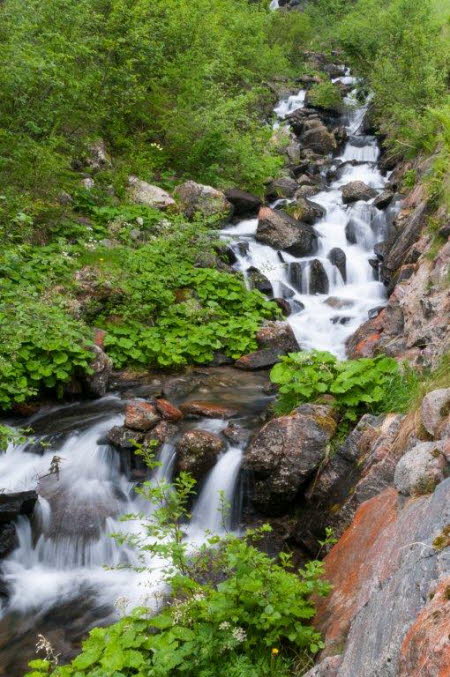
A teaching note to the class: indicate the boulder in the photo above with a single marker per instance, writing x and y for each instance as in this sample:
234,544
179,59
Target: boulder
277,229
282,187
357,190
335,302
144,193
305,210
244,204
141,416
98,157
434,409
278,336
306,190
197,452
259,281
421,469
195,198
260,359
318,279
384,199
124,438
162,432
296,275
15,504
97,382
197,409
319,140
337,257
350,231
283,305
167,410
284,454
329,667
236,434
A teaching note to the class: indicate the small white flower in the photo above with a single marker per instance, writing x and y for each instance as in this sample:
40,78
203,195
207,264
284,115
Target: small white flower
224,625
239,634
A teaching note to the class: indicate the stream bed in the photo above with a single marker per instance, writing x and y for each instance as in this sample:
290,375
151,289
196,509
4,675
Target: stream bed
55,582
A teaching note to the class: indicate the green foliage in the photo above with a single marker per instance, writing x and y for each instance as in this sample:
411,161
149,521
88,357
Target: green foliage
10,436
41,346
325,95
357,386
172,86
401,50
233,610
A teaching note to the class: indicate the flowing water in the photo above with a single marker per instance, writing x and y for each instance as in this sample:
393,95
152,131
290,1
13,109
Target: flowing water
56,580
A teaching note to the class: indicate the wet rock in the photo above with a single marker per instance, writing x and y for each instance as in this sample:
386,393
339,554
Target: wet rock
380,249
335,302
384,199
244,204
178,388
197,409
318,279
161,433
197,452
421,469
260,359
282,187
259,281
319,140
195,198
236,434
97,383
279,230
124,438
8,543
337,257
357,190
283,305
243,248
167,410
334,70
287,292
306,190
15,504
278,336
350,232
141,416
285,453
374,312
144,193
383,572
305,210
297,306
296,275
434,408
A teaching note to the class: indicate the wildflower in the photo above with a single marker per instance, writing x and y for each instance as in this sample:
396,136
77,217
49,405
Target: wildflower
224,626
239,634
275,652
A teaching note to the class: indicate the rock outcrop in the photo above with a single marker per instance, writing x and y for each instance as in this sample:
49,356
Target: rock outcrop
197,452
195,198
284,454
281,231
144,193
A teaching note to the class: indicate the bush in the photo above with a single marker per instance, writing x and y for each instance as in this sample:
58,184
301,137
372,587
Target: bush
250,619
325,95
357,386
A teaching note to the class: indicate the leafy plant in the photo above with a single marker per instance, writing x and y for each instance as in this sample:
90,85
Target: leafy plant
325,95
355,385
232,609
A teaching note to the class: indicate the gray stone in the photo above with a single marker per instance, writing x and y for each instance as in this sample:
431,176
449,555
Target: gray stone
318,279
206,201
420,469
197,452
337,257
357,190
284,454
144,193
319,140
434,408
281,231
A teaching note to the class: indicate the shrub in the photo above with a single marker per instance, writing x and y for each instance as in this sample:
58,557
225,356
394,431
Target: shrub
251,618
357,386
325,95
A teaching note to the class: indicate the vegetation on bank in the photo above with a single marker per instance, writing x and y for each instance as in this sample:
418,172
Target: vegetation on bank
230,608
354,387
174,90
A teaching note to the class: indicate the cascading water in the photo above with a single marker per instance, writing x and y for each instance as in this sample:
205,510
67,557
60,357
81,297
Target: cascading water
58,567
325,318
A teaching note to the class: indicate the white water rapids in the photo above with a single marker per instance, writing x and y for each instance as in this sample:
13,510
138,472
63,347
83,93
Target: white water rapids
61,556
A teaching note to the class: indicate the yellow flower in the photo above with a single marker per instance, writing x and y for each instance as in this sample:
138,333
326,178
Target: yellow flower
275,652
